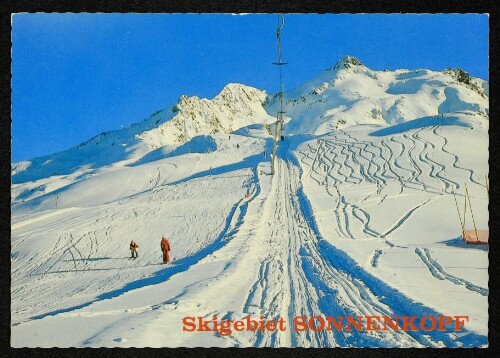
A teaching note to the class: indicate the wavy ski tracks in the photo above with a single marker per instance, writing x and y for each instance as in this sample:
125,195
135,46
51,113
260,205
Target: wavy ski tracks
344,288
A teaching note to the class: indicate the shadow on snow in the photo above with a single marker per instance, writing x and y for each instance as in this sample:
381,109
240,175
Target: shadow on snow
419,123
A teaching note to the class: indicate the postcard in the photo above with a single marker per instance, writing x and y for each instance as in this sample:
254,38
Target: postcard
249,180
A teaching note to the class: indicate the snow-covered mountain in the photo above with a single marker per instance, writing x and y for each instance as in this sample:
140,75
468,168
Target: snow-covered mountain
359,219
236,106
348,93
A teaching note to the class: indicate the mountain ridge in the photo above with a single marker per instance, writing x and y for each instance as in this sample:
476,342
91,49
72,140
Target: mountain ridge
346,94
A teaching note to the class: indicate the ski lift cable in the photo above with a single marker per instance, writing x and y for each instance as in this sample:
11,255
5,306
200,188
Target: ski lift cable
278,33
458,210
471,212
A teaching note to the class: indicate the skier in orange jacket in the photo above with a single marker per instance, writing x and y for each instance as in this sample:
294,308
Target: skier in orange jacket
165,248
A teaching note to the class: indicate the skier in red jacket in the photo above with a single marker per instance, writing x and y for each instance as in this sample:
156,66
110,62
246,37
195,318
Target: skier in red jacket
133,249
165,248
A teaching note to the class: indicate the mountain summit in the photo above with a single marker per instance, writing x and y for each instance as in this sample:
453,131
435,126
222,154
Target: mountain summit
347,62
236,106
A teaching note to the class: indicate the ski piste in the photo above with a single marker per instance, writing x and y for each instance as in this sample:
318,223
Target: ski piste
359,219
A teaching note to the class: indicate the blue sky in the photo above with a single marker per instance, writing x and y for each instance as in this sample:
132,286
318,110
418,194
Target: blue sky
77,75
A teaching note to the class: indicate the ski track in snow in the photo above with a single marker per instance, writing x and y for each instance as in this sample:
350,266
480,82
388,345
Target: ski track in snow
375,258
438,272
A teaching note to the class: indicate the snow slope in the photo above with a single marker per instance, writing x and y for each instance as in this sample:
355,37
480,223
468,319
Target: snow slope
359,218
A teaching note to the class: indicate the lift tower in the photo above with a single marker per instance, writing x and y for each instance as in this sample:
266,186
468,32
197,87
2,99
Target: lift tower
279,115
